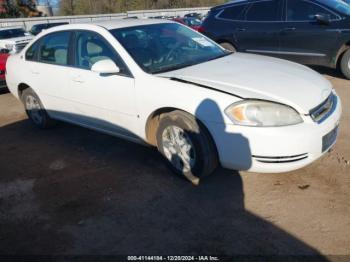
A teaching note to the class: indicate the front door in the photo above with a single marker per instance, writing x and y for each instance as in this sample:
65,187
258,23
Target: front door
105,102
303,38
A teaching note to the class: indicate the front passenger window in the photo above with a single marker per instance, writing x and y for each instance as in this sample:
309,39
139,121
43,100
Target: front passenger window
54,48
305,11
91,48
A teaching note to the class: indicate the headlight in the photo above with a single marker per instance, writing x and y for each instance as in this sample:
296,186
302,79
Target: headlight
263,114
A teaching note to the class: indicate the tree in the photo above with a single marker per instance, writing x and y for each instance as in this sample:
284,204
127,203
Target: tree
71,7
67,7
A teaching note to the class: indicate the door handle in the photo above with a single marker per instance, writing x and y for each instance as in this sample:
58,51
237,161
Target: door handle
241,29
78,79
34,72
288,29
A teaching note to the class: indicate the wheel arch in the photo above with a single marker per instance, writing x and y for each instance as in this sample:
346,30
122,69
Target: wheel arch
153,121
221,41
21,88
345,47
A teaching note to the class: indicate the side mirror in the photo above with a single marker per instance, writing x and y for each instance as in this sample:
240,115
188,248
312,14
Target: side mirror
323,19
106,66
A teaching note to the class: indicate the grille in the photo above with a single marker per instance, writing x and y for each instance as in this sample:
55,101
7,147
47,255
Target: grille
280,159
325,109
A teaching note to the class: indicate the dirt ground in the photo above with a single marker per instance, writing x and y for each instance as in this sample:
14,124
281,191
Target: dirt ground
69,190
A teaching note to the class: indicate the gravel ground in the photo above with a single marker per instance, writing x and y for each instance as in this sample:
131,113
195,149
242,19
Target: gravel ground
69,190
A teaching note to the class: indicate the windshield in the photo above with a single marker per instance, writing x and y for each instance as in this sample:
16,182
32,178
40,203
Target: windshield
168,46
12,33
37,28
193,22
338,5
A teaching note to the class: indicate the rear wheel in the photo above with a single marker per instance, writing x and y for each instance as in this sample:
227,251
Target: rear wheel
35,110
228,47
186,145
345,64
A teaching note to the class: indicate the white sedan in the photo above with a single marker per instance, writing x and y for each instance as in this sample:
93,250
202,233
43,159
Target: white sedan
161,83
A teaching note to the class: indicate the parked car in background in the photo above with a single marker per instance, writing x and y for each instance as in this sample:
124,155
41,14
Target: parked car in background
36,29
161,83
14,39
308,32
194,15
131,17
194,23
3,60
160,17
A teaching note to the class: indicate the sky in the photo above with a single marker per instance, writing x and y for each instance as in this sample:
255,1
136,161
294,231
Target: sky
54,3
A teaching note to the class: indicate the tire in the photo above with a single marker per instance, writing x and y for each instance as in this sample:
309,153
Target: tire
228,46
35,109
186,145
345,64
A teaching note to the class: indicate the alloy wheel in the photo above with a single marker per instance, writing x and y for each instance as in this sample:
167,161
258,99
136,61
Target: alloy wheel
178,148
34,109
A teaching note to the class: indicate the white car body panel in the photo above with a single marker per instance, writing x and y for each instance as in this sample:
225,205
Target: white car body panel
271,79
116,103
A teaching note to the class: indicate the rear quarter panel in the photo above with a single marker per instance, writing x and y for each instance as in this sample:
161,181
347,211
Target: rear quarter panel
14,73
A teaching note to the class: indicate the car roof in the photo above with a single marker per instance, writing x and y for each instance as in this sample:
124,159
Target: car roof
54,23
122,23
232,2
109,25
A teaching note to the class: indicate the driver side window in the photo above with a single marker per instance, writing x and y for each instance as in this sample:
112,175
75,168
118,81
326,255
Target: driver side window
90,48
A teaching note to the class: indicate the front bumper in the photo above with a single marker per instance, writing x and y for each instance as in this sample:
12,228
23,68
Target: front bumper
274,149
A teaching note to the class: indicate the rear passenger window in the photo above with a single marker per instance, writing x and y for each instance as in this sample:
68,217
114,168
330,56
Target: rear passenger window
233,12
264,11
31,54
54,48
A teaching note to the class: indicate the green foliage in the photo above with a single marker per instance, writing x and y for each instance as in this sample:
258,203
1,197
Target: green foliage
78,7
12,10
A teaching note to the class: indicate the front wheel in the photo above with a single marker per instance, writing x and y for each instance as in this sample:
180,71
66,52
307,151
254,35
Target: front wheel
186,145
35,110
345,64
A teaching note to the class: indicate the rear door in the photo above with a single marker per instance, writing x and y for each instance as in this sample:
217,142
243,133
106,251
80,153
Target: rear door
225,27
303,38
259,32
48,70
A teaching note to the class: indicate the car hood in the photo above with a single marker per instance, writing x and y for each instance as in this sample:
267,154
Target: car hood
18,40
259,77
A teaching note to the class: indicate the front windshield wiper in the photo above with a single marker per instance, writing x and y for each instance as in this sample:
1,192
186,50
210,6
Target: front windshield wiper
180,66
172,68
220,56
